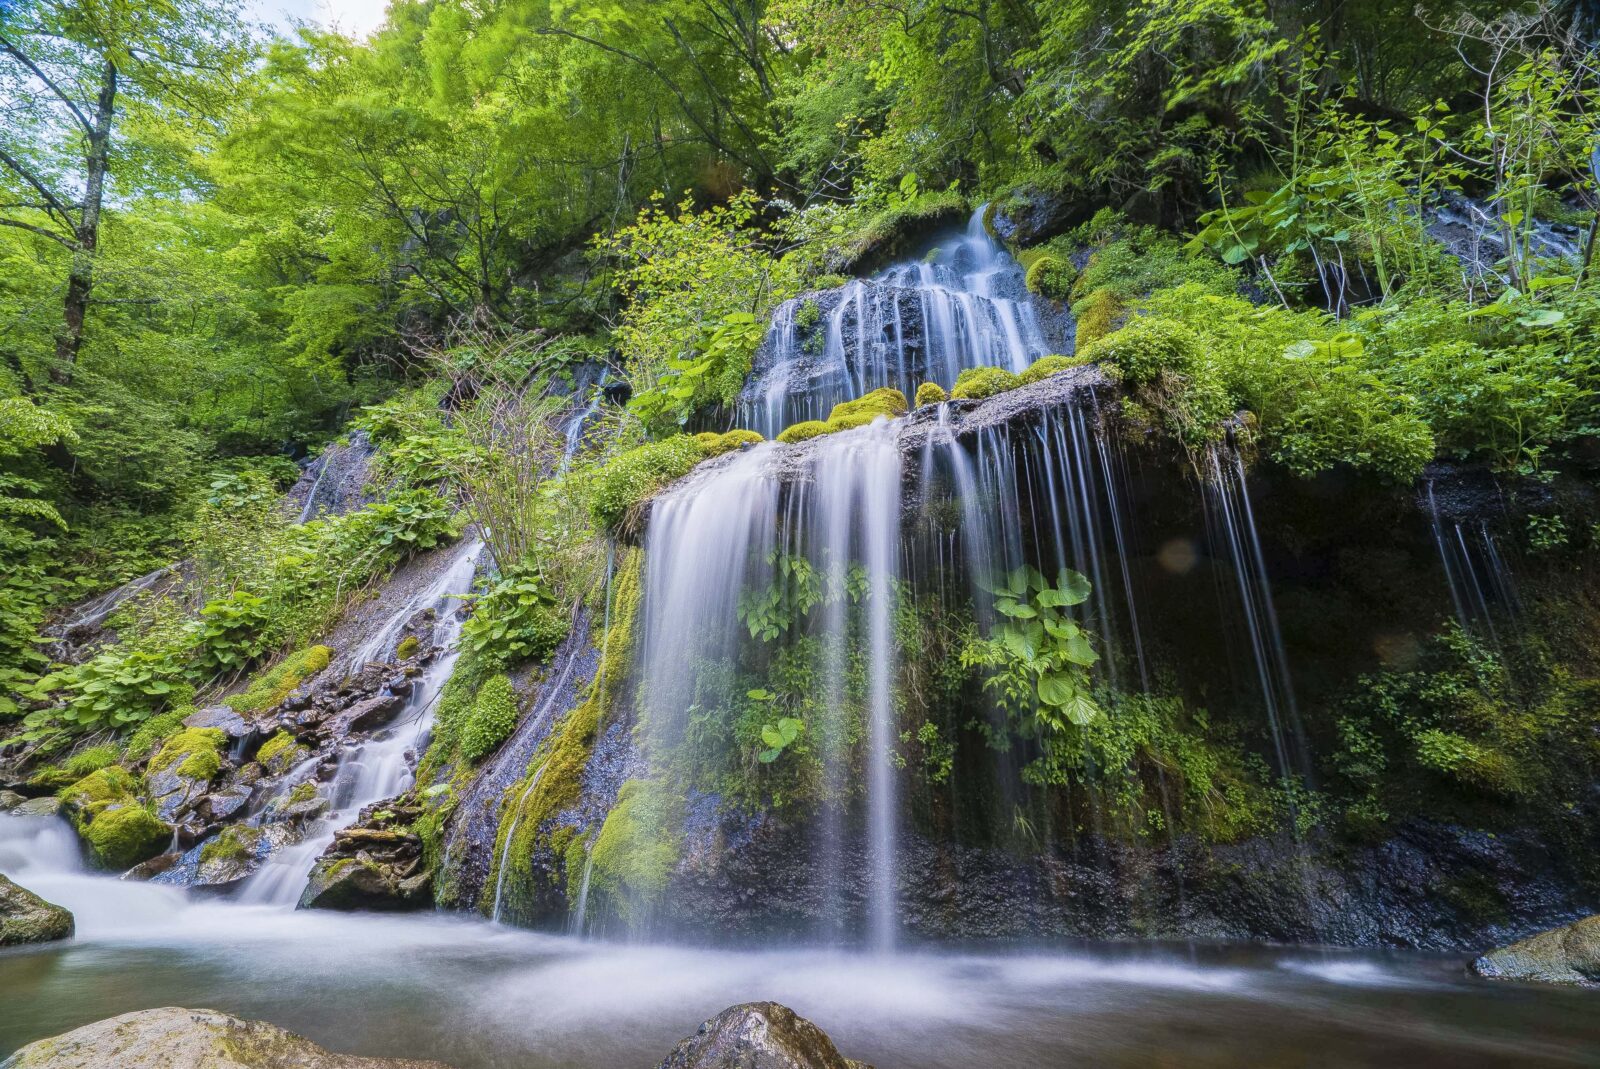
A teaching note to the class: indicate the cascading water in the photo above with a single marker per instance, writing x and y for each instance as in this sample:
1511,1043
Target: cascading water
379,768
1480,582
579,422
965,306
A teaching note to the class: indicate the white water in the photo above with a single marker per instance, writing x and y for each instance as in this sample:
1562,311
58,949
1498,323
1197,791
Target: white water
380,767
966,306
580,421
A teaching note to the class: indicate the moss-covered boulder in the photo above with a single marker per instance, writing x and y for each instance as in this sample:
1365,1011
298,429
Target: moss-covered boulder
1566,955
1046,366
280,753
884,401
174,1038
231,855
272,687
182,771
714,445
26,918
758,1035
1145,348
931,393
105,809
802,431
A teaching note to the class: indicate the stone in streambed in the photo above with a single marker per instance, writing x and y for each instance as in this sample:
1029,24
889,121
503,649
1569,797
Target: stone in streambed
366,883
27,918
1566,955
758,1035
174,1038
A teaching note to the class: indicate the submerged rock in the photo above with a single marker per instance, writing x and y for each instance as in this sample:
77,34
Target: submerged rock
1565,955
175,1038
758,1035
27,918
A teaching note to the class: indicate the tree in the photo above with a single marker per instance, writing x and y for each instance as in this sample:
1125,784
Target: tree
71,74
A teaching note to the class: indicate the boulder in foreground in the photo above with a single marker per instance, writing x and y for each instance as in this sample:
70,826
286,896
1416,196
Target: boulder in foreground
27,918
1566,955
173,1038
758,1035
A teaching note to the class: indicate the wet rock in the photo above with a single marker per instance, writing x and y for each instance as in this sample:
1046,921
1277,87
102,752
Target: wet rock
175,1038
1031,215
223,804
37,807
183,771
367,714
156,866
758,1035
1566,955
235,853
374,864
27,918
9,800
224,719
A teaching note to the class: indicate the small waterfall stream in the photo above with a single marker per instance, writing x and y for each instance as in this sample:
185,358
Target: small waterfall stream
963,306
380,767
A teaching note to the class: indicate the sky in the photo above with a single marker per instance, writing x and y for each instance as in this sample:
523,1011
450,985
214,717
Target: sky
356,18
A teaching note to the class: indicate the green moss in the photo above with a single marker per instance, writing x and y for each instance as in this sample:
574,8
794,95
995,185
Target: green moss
199,750
1098,315
976,383
236,842
1051,276
633,476
52,778
272,687
154,731
302,792
124,834
407,648
800,432
1046,366
885,401
90,760
554,780
931,393
638,847
1146,348
98,789
715,445
280,753
492,719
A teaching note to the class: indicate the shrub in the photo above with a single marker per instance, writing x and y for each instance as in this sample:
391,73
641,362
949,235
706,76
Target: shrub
232,633
1046,366
517,620
633,476
976,383
492,719
1145,348
931,393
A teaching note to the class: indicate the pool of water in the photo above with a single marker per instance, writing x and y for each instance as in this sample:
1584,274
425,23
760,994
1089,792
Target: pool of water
481,996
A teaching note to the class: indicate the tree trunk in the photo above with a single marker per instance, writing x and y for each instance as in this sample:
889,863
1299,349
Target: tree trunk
80,277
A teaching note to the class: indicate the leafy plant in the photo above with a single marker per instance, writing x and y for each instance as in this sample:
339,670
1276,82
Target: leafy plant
518,619
1037,657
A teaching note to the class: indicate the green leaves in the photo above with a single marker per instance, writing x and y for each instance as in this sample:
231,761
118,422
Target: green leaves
778,737
1038,655
518,619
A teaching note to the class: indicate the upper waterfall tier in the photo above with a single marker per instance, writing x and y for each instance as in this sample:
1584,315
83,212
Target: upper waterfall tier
964,305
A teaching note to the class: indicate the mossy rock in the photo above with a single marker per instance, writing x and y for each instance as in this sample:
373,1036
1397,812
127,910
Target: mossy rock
977,383
182,771
1098,315
1051,276
97,790
124,834
407,648
638,847
492,719
803,431
931,393
280,753
884,401
715,445
272,687
1046,366
26,918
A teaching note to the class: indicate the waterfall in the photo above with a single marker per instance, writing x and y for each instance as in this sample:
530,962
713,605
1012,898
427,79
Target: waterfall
1478,582
573,433
378,768
1233,524
965,306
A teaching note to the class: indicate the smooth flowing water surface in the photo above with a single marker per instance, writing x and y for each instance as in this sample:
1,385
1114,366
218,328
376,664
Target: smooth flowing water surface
478,995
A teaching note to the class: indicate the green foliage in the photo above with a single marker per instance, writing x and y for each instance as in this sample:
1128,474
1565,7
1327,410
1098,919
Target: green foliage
1146,349
930,393
116,689
976,383
491,720
633,476
1036,659
91,759
517,620
1050,275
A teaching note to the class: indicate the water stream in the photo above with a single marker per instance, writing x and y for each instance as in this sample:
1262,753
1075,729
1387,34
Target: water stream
381,767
